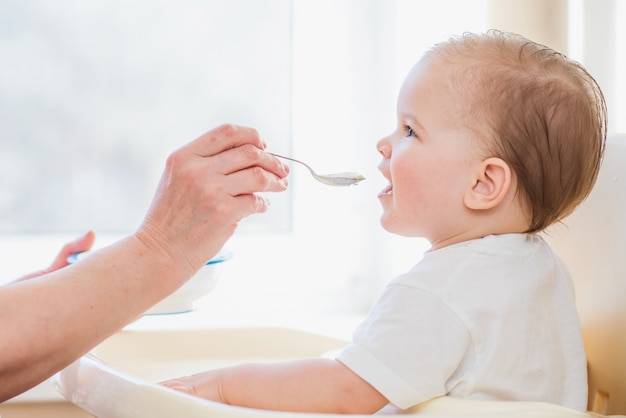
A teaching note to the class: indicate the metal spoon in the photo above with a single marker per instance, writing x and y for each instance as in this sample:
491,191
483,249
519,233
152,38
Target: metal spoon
334,179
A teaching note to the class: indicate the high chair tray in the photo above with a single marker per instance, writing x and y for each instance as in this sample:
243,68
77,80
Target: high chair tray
118,378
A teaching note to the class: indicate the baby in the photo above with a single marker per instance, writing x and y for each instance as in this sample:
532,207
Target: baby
497,138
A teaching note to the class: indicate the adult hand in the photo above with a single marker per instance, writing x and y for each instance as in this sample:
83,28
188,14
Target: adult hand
207,187
80,244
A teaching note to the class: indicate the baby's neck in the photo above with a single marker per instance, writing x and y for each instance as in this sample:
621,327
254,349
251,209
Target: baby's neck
478,224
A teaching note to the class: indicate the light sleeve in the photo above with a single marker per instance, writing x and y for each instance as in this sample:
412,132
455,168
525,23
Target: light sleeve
409,346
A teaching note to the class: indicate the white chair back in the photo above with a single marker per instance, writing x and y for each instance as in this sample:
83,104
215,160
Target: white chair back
592,241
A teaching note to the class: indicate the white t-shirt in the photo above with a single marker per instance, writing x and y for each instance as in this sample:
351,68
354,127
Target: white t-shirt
492,318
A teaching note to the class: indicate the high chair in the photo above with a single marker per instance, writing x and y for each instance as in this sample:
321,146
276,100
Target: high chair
592,241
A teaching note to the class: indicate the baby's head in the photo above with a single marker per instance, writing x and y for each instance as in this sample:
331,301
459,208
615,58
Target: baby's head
534,108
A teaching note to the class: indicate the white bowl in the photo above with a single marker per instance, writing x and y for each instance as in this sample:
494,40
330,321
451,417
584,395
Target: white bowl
185,298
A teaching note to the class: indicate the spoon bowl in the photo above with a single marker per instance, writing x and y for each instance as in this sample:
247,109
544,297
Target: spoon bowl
333,179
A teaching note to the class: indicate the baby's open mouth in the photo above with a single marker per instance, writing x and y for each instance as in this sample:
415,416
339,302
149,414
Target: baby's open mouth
386,190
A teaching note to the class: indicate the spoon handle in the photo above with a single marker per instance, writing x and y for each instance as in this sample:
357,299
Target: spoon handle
294,160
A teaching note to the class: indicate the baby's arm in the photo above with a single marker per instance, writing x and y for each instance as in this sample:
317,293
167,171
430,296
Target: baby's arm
311,385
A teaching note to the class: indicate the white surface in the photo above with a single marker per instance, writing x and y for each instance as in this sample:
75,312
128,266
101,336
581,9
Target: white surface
125,387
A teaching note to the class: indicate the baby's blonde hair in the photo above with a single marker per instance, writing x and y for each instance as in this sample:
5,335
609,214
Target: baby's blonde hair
539,111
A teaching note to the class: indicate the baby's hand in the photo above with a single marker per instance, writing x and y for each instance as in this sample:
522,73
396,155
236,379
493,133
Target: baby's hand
204,385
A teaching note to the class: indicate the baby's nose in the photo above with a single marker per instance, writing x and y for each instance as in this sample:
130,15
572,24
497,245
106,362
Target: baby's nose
383,147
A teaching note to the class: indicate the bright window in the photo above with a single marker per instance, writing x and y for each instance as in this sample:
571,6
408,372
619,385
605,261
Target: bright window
318,78
94,95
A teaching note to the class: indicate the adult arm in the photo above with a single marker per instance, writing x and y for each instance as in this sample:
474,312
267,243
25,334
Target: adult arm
207,187
309,385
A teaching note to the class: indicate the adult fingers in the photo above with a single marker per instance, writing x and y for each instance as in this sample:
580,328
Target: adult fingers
80,244
223,138
246,156
253,179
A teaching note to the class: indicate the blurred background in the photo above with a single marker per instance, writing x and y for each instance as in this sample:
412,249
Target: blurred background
94,96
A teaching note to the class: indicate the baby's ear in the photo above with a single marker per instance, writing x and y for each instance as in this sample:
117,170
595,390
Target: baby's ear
491,184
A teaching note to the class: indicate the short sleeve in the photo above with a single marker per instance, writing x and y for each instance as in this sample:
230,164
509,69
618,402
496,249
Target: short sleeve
409,346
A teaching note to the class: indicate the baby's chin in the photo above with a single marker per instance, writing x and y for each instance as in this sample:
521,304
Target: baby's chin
388,224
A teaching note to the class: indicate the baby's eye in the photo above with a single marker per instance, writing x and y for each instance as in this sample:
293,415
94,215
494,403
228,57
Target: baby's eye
409,131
